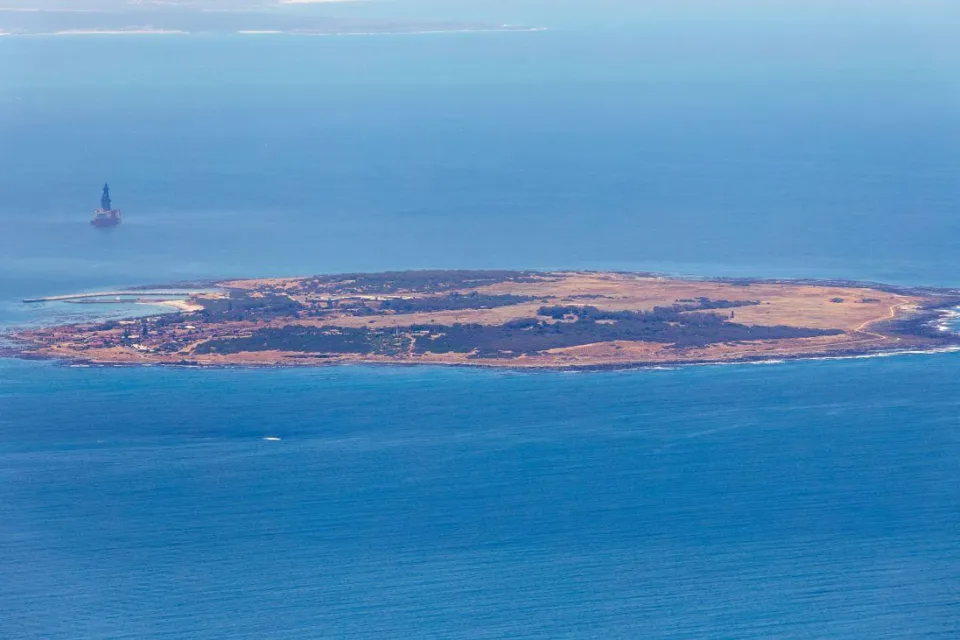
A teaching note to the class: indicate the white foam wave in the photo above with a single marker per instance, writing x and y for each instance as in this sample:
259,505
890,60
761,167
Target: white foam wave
948,321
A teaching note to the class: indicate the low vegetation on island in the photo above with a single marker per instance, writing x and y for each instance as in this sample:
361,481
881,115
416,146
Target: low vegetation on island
510,318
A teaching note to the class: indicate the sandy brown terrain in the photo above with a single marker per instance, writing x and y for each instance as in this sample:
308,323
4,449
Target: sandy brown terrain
841,319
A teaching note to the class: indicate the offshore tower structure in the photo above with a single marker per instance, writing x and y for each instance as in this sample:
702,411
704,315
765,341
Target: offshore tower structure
106,215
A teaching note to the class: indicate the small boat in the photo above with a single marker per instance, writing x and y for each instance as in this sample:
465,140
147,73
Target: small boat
106,215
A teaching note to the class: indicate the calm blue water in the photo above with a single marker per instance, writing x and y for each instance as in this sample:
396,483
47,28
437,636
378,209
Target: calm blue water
691,150
817,499
803,500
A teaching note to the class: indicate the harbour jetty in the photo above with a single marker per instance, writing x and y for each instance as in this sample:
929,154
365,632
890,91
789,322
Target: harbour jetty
115,296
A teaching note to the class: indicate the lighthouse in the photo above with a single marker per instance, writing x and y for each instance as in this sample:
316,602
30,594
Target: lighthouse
106,215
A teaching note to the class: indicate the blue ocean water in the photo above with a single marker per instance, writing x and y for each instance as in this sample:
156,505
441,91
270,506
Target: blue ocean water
800,500
688,150
815,499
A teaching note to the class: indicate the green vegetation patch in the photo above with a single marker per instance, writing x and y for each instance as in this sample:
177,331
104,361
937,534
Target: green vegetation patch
241,305
558,327
588,325
311,340
453,302
419,281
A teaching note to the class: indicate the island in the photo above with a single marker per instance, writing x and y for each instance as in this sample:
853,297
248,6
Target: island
570,320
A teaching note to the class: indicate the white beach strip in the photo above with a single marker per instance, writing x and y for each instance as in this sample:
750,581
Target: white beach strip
179,305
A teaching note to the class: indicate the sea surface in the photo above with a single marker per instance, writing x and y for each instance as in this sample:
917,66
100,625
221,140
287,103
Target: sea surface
815,499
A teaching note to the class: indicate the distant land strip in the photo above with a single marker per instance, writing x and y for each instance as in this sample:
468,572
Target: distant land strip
574,320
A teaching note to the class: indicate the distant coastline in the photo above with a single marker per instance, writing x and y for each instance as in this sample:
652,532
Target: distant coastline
290,19
504,319
267,32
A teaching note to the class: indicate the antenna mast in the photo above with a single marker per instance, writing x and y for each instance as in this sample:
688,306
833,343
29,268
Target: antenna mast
105,198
